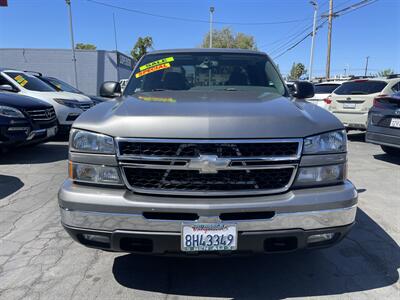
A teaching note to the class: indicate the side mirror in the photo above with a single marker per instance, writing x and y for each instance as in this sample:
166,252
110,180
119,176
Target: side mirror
110,89
6,87
303,89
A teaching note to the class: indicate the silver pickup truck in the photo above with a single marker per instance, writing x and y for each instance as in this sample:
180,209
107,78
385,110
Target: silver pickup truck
207,152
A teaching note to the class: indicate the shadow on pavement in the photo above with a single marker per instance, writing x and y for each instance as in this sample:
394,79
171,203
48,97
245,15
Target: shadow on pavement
43,153
367,259
388,158
9,185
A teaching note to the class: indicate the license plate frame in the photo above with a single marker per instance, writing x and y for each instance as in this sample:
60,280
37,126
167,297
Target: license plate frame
349,105
205,230
395,123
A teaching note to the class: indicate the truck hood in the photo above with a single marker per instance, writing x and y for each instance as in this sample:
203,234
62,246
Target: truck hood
207,115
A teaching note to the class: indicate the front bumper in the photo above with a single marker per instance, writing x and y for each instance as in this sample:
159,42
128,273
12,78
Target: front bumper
121,215
24,133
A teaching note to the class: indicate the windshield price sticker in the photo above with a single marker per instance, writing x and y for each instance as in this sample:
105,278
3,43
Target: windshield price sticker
156,63
21,80
153,69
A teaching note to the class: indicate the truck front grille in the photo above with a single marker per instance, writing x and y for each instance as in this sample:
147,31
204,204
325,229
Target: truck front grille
42,115
183,180
209,168
220,149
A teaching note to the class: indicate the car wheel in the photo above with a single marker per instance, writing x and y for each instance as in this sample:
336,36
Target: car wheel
391,150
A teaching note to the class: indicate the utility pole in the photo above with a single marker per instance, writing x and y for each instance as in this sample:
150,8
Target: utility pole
72,41
328,56
211,23
366,65
116,46
310,68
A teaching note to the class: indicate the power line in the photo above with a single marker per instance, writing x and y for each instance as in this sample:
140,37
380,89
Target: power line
341,12
192,20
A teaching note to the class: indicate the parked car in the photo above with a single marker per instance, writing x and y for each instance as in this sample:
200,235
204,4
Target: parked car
352,100
384,123
68,106
123,83
60,85
25,120
322,92
226,162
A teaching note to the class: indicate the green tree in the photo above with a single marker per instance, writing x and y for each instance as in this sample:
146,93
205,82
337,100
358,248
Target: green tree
297,70
385,72
141,47
225,38
83,46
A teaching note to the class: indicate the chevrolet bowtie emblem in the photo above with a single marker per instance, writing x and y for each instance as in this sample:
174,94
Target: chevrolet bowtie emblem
208,164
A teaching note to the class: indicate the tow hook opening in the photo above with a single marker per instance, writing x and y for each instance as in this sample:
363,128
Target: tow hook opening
136,244
280,244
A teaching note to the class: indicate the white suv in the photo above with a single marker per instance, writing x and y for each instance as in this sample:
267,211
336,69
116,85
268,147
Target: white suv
68,106
352,100
322,91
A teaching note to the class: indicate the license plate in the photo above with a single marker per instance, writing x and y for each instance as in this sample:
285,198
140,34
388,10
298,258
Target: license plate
209,237
51,131
349,105
395,123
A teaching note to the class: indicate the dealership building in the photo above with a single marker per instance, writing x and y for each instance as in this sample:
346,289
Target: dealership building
93,66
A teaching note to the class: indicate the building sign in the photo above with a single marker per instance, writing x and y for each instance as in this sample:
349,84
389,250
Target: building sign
124,60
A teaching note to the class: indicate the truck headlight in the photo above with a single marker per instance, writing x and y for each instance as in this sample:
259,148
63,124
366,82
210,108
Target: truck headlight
330,142
85,141
97,174
322,175
11,112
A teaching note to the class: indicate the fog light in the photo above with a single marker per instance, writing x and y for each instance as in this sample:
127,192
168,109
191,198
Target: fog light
96,238
316,238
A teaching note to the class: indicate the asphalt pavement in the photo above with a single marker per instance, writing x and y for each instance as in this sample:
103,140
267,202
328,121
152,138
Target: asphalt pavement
38,260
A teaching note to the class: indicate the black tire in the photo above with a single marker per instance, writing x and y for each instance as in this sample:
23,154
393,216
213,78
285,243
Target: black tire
391,150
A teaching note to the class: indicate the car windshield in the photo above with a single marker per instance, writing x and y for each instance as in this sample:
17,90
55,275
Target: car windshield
362,87
205,71
30,82
61,85
325,88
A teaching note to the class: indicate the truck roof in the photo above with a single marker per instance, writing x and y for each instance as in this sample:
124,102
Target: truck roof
208,50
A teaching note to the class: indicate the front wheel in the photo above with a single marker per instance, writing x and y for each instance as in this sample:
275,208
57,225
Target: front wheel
391,150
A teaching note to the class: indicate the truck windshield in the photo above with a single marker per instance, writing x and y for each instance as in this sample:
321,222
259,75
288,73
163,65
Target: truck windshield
205,71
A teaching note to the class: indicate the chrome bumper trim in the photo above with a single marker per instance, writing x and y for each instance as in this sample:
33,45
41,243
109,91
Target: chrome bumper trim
119,221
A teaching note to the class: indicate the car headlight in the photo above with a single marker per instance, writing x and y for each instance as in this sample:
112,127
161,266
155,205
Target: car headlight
330,142
322,175
10,112
97,174
67,102
85,141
